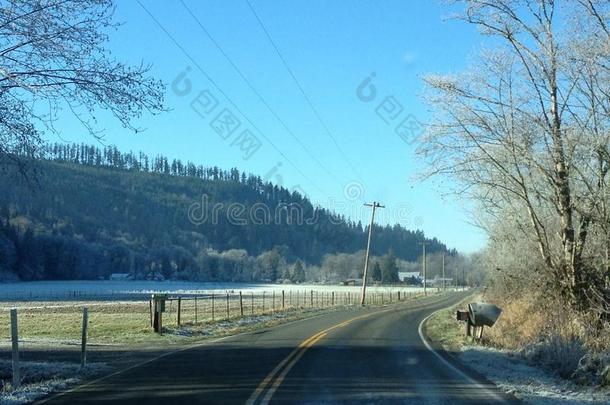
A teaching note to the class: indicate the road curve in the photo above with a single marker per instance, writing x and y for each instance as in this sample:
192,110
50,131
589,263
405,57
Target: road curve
364,355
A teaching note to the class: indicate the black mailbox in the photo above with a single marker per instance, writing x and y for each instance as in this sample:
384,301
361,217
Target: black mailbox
483,314
461,315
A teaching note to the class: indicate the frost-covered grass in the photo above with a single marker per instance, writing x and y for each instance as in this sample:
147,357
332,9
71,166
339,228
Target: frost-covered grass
509,369
40,378
108,289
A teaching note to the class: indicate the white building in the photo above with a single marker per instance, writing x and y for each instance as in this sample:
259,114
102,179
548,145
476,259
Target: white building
406,276
120,276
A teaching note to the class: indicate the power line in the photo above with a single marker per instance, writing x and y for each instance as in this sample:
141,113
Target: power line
302,90
260,97
229,99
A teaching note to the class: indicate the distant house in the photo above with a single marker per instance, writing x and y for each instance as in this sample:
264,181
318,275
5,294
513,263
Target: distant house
154,276
120,276
438,282
352,281
410,277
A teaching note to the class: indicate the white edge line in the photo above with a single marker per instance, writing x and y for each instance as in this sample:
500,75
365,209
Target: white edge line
478,384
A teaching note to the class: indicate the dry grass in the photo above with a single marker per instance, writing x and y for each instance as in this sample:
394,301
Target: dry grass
520,324
546,332
445,330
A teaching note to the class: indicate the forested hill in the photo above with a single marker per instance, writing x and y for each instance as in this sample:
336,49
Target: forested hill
91,212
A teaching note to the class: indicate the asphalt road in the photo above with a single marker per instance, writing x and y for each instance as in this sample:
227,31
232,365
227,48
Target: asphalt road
349,356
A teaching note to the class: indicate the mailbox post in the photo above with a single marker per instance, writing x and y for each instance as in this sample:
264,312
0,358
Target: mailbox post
464,317
159,308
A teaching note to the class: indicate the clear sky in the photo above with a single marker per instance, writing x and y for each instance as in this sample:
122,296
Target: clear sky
328,140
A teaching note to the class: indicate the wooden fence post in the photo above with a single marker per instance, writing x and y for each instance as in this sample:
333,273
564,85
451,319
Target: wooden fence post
263,302
15,341
311,299
151,313
252,303
332,299
241,305
228,308
283,300
83,347
212,307
157,315
179,309
195,310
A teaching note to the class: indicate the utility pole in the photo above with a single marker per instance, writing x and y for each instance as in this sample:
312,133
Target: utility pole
443,271
424,265
463,280
374,205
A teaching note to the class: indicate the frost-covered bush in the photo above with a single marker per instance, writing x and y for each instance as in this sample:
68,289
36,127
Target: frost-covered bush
593,369
557,353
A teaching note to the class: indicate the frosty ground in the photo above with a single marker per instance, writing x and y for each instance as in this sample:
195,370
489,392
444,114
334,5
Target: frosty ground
110,289
509,370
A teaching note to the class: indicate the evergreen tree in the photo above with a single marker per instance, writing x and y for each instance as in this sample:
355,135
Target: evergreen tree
389,269
298,272
376,274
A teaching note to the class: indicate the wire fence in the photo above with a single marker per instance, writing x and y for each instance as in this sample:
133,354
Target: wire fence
120,321
193,309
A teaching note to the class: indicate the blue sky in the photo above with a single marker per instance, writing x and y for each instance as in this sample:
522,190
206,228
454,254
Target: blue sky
330,47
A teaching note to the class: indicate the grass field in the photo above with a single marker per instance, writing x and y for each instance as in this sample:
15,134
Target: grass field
443,329
129,322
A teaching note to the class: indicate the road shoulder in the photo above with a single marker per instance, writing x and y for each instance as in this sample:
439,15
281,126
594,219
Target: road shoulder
504,368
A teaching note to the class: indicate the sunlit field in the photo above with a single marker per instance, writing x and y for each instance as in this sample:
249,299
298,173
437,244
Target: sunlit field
138,290
122,311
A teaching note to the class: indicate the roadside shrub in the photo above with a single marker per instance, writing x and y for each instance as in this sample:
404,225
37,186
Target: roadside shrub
593,369
549,334
519,324
556,353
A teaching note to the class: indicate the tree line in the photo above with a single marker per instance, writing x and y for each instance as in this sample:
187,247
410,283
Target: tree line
96,211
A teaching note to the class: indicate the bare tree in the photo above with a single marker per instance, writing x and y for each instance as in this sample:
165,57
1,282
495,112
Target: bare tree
526,131
53,61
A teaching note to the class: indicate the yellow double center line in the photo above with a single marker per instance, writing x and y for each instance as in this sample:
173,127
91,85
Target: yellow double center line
271,383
